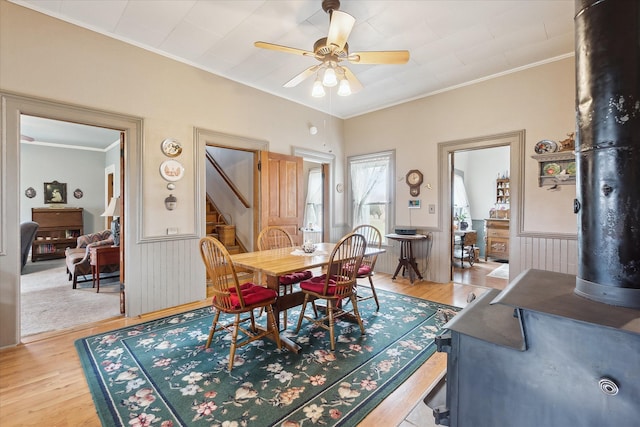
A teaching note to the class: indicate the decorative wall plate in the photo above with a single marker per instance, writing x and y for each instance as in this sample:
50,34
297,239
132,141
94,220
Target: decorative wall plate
552,169
77,193
30,192
172,170
171,147
546,146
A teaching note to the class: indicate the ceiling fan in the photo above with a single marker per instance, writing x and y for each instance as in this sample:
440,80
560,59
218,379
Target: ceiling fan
331,51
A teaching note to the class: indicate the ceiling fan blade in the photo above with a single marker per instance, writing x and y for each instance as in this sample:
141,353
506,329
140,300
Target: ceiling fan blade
302,76
382,57
340,28
355,84
286,49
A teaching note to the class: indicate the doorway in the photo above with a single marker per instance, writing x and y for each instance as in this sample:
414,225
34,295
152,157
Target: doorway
451,157
480,194
72,154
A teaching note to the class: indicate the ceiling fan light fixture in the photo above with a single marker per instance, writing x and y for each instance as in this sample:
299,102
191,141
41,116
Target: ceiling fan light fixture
344,89
330,79
318,89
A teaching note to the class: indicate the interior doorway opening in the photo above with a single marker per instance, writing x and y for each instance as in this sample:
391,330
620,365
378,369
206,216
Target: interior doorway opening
46,149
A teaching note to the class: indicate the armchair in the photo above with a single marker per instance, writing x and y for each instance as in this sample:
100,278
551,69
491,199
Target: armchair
78,259
28,231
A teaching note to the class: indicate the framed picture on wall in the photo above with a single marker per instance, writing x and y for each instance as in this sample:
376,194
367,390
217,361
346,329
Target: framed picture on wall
55,192
414,204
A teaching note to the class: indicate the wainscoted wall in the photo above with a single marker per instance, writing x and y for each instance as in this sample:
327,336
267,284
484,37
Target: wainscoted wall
156,264
554,253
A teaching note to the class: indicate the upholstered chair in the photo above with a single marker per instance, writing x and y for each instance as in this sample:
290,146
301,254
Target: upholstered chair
28,231
78,259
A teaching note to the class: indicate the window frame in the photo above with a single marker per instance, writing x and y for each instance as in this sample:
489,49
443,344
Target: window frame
390,155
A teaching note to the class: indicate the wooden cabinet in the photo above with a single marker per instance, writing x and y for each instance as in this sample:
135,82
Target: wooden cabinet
58,230
496,238
503,194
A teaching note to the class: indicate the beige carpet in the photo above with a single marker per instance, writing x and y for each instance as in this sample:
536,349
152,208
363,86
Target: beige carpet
48,303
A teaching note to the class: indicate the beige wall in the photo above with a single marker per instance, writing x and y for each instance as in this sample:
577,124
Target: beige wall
540,100
50,59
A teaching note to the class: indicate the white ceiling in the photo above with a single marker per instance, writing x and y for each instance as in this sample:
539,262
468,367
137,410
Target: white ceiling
451,43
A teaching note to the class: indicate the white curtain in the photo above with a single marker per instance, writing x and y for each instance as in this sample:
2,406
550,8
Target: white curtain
313,204
460,200
368,186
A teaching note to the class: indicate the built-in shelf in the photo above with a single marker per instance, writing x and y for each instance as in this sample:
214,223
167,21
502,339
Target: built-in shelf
556,168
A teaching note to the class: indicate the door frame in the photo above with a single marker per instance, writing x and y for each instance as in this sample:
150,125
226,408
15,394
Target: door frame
12,107
515,140
328,161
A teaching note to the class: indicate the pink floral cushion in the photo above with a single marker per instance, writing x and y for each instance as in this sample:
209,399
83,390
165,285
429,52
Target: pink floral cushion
298,276
86,239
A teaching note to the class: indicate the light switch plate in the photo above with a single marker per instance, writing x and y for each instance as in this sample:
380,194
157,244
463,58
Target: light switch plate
432,209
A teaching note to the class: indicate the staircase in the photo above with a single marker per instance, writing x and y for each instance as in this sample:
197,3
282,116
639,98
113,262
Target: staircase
215,224
214,221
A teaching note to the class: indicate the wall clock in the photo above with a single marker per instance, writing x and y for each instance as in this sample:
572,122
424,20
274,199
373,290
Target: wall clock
414,181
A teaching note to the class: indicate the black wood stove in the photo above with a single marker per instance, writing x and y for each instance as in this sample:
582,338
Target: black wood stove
555,349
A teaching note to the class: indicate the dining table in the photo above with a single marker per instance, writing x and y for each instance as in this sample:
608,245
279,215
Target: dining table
273,263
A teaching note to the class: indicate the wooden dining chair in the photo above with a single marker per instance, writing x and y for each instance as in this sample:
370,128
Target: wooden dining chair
232,298
275,237
336,285
374,240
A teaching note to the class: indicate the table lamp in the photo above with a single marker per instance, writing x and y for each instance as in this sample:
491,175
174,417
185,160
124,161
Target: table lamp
113,210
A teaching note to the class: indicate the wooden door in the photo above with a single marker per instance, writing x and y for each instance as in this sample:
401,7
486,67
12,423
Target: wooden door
282,192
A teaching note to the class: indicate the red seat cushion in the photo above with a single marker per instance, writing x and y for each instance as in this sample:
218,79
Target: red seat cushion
316,284
252,294
243,287
364,270
298,276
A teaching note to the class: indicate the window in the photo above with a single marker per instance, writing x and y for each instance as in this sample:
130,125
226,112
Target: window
371,190
313,205
461,209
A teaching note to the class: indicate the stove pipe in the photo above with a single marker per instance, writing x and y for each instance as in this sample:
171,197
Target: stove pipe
608,151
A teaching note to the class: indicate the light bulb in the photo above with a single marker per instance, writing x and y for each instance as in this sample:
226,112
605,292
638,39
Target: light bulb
345,88
318,90
330,79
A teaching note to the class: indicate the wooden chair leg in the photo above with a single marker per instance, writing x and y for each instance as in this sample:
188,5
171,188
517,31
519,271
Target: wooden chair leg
354,302
375,296
213,329
331,332
234,340
304,306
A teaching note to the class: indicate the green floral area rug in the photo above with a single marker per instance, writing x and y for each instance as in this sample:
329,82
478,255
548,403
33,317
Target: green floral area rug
158,373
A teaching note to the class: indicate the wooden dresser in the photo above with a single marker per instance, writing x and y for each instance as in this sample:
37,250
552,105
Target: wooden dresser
496,238
58,230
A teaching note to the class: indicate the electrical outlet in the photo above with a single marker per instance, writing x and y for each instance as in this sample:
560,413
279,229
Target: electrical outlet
172,230
432,209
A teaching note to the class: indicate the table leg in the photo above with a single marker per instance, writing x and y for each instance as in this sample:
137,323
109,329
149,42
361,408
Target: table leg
412,262
283,303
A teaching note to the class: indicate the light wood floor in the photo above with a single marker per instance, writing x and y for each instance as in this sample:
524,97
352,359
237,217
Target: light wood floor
42,383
